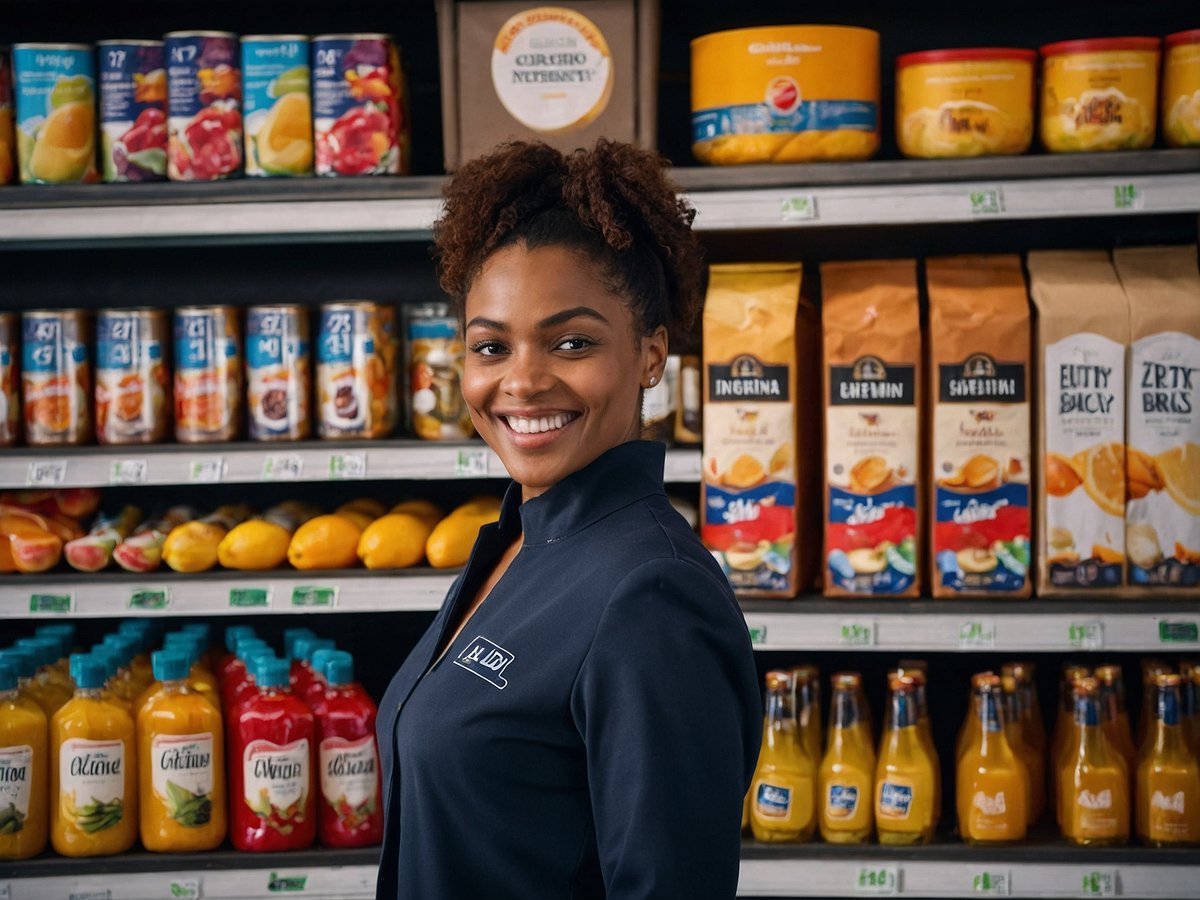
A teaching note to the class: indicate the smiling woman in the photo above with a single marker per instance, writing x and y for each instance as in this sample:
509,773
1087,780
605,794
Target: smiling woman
605,743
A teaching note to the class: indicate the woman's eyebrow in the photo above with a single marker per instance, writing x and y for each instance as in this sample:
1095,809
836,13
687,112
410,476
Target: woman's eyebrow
573,313
481,322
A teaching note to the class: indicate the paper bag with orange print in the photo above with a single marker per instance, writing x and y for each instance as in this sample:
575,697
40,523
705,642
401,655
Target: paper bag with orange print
1082,332
872,340
1162,512
759,480
978,346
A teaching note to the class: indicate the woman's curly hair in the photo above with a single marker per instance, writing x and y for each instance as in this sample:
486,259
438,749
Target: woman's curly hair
613,203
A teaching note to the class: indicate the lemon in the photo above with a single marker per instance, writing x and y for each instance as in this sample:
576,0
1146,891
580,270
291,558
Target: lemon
394,541
192,546
254,545
422,509
361,519
326,542
1180,471
450,543
368,506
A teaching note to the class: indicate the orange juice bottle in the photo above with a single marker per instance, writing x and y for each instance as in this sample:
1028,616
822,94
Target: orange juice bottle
49,692
904,773
93,776
1065,737
1093,783
181,758
918,669
142,632
1113,718
199,678
107,655
783,792
1151,669
23,662
51,647
1168,776
124,684
992,782
847,772
1028,708
1189,713
1035,763
64,633
23,775
806,701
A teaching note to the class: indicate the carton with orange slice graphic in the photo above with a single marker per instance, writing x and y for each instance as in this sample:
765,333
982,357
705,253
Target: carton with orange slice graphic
872,351
759,477
1162,513
1082,330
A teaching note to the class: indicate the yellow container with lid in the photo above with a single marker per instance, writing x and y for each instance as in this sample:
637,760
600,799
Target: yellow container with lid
1099,94
1181,89
785,94
970,102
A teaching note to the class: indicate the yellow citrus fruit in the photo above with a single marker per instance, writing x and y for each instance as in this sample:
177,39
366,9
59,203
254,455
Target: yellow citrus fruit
1180,471
254,545
394,541
326,542
192,546
1102,469
450,543
422,509
361,519
368,506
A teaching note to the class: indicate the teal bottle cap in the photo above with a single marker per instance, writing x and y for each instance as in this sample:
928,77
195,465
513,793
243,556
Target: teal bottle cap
87,671
8,676
235,633
339,669
306,646
170,665
22,659
271,672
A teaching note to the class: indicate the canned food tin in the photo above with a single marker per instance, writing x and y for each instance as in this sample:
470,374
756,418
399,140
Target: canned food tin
204,105
133,110
8,135
1181,89
208,374
10,405
131,376
277,102
435,353
361,123
56,113
356,369
56,380
277,372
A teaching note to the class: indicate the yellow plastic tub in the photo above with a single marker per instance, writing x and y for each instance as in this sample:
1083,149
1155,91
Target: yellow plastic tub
1181,89
970,102
785,94
1099,94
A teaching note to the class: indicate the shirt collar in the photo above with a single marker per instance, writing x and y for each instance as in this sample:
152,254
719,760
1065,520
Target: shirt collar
614,479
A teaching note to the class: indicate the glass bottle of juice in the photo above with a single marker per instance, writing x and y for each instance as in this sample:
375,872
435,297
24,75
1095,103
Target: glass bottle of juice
123,684
107,655
1094,783
209,658
925,727
1151,669
806,701
1187,704
51,691
142,631
93,772
1114,720
181,759
199,678
290,636
905,773
1065,737
64,633
23,777
992,782
847,775
783,792
237,673
1035,763
1168,776
1191,722
272,760
50,669
1028,708
349,813
24,662
230,661
302,672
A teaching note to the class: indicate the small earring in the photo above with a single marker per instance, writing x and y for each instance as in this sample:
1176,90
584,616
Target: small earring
653,381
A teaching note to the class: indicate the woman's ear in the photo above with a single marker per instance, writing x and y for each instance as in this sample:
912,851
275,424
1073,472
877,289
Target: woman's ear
654,356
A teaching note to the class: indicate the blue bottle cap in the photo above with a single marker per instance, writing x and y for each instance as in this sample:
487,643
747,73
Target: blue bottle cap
45,650
64,634
201,630
320,659
108,657
8,676
271,672
235,633
339,669
291,635
22,659
124,644
246,646
170,665
87,671
187,644
306,646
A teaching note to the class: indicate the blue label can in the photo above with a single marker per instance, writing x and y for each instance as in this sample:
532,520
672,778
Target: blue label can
208,374
277,103
56,113
56,378
278,373
204,105
357,350
133,110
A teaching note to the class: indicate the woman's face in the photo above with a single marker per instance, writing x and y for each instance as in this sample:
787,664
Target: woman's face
553,370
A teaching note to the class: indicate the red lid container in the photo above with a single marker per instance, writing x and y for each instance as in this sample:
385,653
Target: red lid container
965,54
1101,45
1182,37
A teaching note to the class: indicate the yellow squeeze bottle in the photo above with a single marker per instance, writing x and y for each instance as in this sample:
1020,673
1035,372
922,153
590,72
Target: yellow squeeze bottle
782,806
23,735
905,773
1168,776
846,776
93,771
992,782
50,692
1093,783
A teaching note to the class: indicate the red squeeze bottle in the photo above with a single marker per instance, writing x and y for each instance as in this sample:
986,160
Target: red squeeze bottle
230,660
350,814
271,764
302,674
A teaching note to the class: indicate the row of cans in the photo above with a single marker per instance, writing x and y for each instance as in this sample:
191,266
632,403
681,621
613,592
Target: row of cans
203,106
136,398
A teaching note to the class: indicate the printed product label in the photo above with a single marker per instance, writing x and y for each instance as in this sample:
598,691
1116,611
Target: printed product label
276,778
1167,820
276,368
205,95
842,801
895,800
16,781
349,774
552,69
965,108
773,801
54,375
1181,96
1084,478
206,363
436,354
359,121
182,775
871,436
1099,101
130,377
1096,817
133,112
91,777
56,115
784,112
988,815
356,359
981,458
278,107
1162,517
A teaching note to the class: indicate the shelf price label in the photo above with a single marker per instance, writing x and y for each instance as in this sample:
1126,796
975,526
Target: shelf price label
1178,632
758,634
1128,196
58,604
991,884
347,467
286,884
877,881
977,634
186,889
150,599
309,595
249,597
99,894
1100,884
46,473
857,633
799,208
1086,635
128,471
288,467
209,470
471,464
986,201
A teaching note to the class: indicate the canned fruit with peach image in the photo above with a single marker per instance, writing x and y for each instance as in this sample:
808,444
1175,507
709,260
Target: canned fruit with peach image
208,374
204,106
277,103
278,377
357,350
10,402
56,377
133,110
132,384
56,113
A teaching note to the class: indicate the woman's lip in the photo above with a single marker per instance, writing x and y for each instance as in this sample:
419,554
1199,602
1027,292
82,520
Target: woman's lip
538,440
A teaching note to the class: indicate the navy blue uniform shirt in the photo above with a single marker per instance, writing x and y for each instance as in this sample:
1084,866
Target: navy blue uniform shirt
593,729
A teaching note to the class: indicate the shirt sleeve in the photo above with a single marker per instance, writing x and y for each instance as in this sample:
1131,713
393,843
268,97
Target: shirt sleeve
668,705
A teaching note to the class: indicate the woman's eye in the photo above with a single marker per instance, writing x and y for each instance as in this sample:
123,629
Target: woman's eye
487,348
575,344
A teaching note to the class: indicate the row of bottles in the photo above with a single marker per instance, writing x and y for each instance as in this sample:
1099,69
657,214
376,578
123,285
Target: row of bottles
1007,768
120,743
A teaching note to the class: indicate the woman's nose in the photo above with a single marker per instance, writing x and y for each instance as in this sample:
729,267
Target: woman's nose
529,374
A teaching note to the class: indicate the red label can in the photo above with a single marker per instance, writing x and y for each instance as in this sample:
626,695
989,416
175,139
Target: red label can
204,105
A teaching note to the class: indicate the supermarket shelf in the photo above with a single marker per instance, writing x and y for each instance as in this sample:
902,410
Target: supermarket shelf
247,462
730,198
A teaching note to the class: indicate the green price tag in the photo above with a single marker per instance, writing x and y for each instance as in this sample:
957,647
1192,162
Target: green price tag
1086,635
150,598
758,634
51,603
798,208
859,633
1127,196
243,597
989,202
286,884
1178,632
1100,884
471,464
347,467
877,881
185,889
314,596
977,633
993,884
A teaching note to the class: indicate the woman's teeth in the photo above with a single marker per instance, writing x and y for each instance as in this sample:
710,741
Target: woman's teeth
538,425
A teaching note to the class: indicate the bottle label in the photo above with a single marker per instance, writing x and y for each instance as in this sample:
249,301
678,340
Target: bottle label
182,775
1167,820
842,801
895,800
276,777
1174,803
92,783
990,806
773,801
16,777
1099,800
349,775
